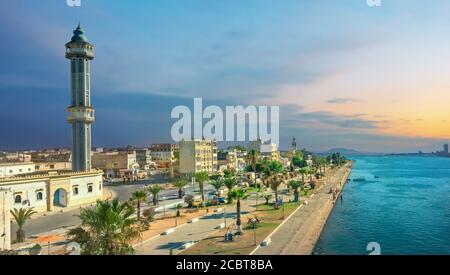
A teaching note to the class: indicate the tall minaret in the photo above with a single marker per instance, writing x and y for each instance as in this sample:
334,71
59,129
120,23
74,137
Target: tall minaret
81,114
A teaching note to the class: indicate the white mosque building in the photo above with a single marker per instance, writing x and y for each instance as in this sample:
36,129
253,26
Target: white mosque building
62,189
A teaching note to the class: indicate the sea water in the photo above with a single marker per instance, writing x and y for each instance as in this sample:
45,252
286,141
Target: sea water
403,207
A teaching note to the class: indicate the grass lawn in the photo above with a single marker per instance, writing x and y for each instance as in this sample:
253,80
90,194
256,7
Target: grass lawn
242,245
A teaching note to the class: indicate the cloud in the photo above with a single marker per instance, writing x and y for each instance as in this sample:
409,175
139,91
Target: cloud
343,100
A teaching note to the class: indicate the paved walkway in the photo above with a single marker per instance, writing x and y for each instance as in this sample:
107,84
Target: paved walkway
191,232
299,234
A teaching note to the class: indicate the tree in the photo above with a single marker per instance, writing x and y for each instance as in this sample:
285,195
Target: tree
189,199
298,161
273,174
178,207
201,177
106,229
227,174
296,185
238,194
154,190
303,172
267,197
252,160
138,197
180,183
230,183
21,216
217,184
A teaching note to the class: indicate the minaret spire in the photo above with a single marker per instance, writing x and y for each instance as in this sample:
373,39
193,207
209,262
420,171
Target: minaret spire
81,113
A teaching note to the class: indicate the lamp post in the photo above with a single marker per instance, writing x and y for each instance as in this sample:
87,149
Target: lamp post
225,215
254,221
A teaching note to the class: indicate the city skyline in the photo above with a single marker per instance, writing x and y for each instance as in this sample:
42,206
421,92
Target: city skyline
316,77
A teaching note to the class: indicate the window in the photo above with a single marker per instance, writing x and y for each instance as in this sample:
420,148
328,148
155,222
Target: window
39,196
29,169
10,171
100,187
52,166
75,190
20,170
90,188
18,199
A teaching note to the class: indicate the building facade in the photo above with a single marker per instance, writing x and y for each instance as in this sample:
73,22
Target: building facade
164,154
198,155
13,169
144,159
5,217
267,150
117,164
81,113
45,192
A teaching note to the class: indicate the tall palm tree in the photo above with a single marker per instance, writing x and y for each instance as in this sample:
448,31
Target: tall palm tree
238,194
21,216
201,177
154,190
252,160
230,183
138,197
217,184
273,173
180,183
303,172
296,185
106,229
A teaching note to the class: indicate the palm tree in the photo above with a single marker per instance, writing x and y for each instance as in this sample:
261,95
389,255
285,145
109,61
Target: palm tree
217,184
180,183
201,177
273,174
230,183
303,172
21,216
296,185
106,229
238,194
252,159
138,197
154,190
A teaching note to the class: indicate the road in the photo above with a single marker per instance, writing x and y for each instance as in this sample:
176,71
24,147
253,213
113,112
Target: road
69,218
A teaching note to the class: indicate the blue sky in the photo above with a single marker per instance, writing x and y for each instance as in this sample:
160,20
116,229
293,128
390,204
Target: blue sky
344,74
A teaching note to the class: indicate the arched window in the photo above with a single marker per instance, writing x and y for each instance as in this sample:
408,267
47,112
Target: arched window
75,190
39,196
90,189
18,199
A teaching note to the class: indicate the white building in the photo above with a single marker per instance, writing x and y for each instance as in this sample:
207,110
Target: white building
5,224
13,169
45,192
198,155
267,150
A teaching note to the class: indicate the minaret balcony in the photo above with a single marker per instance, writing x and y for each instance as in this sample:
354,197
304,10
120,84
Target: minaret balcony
77,50
81,114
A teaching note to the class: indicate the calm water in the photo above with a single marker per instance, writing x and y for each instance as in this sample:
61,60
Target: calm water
406,210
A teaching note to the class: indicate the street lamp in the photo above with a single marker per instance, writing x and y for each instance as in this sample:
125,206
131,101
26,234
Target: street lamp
225,215
254,221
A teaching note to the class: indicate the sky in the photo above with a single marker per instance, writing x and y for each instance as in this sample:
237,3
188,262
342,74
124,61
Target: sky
374,79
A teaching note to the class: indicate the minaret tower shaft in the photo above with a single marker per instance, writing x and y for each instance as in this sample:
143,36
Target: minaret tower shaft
81,114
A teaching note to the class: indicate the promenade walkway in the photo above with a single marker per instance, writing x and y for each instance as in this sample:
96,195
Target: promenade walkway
299,234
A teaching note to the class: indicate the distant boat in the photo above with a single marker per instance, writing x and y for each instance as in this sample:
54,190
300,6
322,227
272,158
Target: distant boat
377,177
359,179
